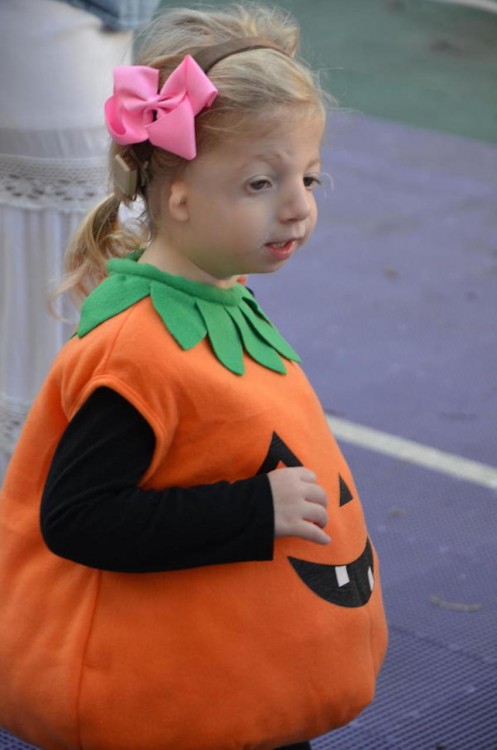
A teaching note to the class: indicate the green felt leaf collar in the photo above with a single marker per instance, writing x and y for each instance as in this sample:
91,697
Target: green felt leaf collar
230,318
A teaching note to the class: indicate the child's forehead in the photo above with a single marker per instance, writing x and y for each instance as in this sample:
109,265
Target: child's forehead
287,142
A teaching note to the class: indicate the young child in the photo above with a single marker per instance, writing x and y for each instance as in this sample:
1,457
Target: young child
184,561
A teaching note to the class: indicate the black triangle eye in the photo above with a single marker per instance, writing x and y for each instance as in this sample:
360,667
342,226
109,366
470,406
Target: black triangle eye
278,452
345,494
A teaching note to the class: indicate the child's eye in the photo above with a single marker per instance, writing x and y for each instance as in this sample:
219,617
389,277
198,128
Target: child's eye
312,181
259,184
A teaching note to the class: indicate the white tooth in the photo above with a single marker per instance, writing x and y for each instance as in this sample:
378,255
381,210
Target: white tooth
342,575
371,579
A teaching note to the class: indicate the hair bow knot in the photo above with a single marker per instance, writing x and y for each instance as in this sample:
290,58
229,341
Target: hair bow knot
137,113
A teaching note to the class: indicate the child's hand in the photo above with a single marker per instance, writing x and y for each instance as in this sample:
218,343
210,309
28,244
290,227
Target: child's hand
299,504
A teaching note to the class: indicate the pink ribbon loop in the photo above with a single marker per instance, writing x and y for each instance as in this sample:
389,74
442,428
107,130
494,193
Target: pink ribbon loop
136,112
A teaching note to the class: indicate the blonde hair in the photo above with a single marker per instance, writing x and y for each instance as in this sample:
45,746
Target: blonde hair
252,87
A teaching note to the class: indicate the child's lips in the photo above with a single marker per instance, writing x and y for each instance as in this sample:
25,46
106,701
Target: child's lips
282,250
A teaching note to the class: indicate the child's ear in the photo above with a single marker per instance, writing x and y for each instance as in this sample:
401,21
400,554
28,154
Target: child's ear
178,204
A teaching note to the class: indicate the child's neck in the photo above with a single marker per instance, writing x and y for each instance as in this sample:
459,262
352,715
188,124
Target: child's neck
156,254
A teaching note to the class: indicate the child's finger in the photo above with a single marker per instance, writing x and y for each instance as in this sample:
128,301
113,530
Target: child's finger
316,514
312,533
306,475
316,494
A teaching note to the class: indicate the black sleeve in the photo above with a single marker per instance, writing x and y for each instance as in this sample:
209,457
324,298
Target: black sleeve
94,513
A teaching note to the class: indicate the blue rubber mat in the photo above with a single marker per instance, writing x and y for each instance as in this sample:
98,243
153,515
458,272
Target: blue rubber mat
7,742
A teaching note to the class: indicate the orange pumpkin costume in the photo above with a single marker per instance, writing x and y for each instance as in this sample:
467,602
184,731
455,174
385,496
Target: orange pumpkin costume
240,656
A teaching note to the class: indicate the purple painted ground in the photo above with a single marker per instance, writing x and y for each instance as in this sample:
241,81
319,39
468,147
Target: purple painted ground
393,305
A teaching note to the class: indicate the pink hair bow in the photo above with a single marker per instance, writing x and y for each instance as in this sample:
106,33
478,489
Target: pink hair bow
136,112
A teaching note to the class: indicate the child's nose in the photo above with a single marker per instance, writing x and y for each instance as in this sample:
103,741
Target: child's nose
296,205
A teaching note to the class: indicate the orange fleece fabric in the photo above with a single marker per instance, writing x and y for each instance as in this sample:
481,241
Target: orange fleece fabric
243,656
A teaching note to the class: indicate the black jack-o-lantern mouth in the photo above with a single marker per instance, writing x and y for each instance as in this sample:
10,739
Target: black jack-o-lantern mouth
348,585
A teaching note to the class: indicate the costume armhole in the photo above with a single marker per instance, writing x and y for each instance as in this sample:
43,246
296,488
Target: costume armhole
162,433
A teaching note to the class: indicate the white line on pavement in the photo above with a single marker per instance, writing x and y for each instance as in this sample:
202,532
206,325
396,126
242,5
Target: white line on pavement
489,5
414,453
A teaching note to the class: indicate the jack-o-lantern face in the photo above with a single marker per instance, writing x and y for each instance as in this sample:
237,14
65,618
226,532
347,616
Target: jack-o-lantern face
349,585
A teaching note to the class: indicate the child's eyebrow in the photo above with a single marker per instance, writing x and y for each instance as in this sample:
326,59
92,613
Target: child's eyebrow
276,158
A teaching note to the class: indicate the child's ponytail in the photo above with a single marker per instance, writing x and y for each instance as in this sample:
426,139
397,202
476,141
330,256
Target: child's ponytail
100,237
90,247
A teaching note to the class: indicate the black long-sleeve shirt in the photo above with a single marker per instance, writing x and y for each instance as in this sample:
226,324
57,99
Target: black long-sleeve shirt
94,513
